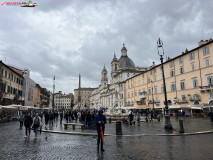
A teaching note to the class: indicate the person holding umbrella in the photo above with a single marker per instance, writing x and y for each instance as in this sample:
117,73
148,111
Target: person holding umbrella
100,121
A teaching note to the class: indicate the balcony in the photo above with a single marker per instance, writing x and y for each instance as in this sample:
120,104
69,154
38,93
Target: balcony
142,95
141,102
206,88
195,99
155,101
130,104
181,101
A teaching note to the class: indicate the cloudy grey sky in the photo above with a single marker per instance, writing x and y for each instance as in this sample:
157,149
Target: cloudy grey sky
65,38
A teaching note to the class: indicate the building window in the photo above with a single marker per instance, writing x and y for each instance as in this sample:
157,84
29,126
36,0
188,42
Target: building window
132,94
135,84
5,74
162,89
171,64
139,83
211,94
143,82
183,98
173,87
207,62
181,60
210,80
181,70
182,85
156,89
154,70
172,73
8,89
195,83
142,75
148,80
155,78
149,91
191,56
193,66
205,51
2,72
150,72
135,93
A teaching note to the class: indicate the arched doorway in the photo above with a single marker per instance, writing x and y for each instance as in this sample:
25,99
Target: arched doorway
169,102
211,102
196,103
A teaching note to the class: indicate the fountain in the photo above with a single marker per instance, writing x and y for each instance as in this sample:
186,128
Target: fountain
116,113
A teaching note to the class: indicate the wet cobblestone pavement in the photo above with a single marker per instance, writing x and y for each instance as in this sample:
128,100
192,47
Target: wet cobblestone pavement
59,146
152,128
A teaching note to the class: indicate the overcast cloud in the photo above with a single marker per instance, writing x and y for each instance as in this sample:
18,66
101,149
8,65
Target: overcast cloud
65,38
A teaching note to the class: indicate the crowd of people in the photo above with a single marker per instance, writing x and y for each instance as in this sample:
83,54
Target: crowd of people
36,120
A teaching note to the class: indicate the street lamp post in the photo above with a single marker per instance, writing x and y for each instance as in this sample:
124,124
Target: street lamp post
168,124
153,108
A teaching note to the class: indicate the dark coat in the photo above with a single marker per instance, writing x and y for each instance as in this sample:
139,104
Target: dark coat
28,121
101,118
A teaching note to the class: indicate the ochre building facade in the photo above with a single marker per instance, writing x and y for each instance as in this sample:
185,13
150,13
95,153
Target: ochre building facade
188,77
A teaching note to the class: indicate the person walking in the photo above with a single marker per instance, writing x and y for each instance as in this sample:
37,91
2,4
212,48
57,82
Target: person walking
211,115
131,118
46,119
21,120
88,118
28,123
100,121
36,124
138,118
83,116
66,116
51,117
61,117
76,116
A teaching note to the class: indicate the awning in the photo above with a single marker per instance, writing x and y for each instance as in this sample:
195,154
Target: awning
8,107
196,108
174,107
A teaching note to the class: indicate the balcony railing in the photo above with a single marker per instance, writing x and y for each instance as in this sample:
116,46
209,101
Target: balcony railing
141,102
130,104
206,88
195,99
181,102
151,102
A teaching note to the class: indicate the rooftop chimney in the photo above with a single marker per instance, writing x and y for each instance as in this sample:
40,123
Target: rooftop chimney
202,42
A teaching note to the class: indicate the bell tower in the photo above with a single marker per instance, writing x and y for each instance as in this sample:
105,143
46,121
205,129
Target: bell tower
114,66
104,77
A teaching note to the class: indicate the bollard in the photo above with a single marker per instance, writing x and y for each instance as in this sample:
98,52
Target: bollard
110,120
118,128
181,126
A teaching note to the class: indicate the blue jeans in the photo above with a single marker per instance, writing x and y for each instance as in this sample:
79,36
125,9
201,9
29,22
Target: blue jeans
83,121
36,131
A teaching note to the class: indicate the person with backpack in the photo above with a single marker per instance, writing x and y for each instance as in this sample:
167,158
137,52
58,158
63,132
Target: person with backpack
27,123
36,124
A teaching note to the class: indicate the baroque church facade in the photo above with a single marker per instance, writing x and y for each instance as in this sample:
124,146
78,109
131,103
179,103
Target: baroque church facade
113,94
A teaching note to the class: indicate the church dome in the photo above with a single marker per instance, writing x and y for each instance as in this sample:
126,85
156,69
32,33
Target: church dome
126,62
